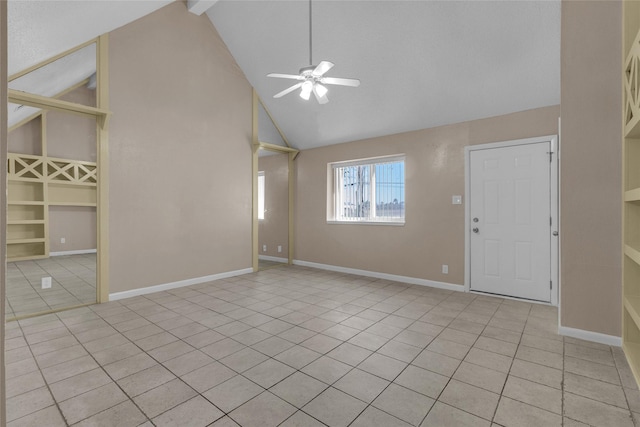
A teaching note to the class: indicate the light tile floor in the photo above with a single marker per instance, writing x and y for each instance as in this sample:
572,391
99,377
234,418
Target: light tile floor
293,346
73,283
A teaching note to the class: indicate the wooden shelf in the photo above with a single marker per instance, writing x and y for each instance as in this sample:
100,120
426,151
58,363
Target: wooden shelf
632,195
631,185
24,179
632,305
632,351
25,221
21,241
72,204
632,253
75,184
26,202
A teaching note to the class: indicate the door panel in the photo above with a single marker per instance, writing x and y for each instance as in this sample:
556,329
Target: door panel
510,236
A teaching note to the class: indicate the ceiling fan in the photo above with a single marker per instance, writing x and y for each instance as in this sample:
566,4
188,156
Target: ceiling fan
312,79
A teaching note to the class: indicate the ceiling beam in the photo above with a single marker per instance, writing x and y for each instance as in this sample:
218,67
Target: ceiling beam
43,102
198,7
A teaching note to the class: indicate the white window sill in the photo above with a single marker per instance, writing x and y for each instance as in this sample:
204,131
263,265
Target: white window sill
395,223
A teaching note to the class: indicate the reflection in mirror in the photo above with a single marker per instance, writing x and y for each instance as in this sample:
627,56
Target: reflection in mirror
55,80
273,229
51,221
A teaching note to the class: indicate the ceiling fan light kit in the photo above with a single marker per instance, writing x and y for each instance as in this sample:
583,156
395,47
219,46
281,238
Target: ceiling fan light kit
312,77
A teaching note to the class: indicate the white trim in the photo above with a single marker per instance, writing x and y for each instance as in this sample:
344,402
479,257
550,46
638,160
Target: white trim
273,258
559,261
555,205
590,336
356,222
179,284
377,275
78,252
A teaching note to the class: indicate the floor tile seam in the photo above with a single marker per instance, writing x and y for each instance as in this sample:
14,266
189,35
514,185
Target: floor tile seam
114,381
562,383
619,376
462,410
388,413
495,411
627,408
599,381
534,405
55,402
300,410
629,412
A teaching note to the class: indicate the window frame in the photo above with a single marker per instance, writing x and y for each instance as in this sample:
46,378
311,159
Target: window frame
334,193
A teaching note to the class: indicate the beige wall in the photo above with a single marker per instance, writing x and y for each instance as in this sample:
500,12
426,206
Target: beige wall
434,231
70,136
274,229
27,139
77,224
591,175
180,152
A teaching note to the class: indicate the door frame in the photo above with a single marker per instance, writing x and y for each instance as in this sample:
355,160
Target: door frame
554,205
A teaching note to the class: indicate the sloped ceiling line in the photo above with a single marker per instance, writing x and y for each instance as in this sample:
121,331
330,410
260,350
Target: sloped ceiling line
198,7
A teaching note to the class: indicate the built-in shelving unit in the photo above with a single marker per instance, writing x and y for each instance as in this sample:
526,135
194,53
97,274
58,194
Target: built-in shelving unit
35,183
631,185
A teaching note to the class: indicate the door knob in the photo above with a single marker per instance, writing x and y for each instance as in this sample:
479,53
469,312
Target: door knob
476,230
555,233
475,219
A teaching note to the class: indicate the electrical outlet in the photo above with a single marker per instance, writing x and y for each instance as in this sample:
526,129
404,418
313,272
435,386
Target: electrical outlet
46,282
279,248
63,240
264,248
445,269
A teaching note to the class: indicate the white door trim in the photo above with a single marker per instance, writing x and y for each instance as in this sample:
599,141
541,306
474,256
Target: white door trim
555,241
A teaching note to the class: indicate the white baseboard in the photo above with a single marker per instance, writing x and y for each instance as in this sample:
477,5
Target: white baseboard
590,336
377,275
78,252
179,284
273,258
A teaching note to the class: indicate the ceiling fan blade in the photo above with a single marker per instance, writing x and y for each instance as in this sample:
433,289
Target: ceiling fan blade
341,82
322,99
286,76
287,90
322,68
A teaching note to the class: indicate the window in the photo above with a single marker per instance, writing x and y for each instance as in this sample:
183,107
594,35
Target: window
261,195
369,190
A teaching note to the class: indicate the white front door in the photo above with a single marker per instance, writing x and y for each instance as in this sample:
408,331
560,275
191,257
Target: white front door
510,212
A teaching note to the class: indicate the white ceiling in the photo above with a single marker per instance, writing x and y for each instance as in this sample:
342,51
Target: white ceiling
421,63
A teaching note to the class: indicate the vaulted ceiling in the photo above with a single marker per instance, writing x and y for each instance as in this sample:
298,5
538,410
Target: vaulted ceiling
421,63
